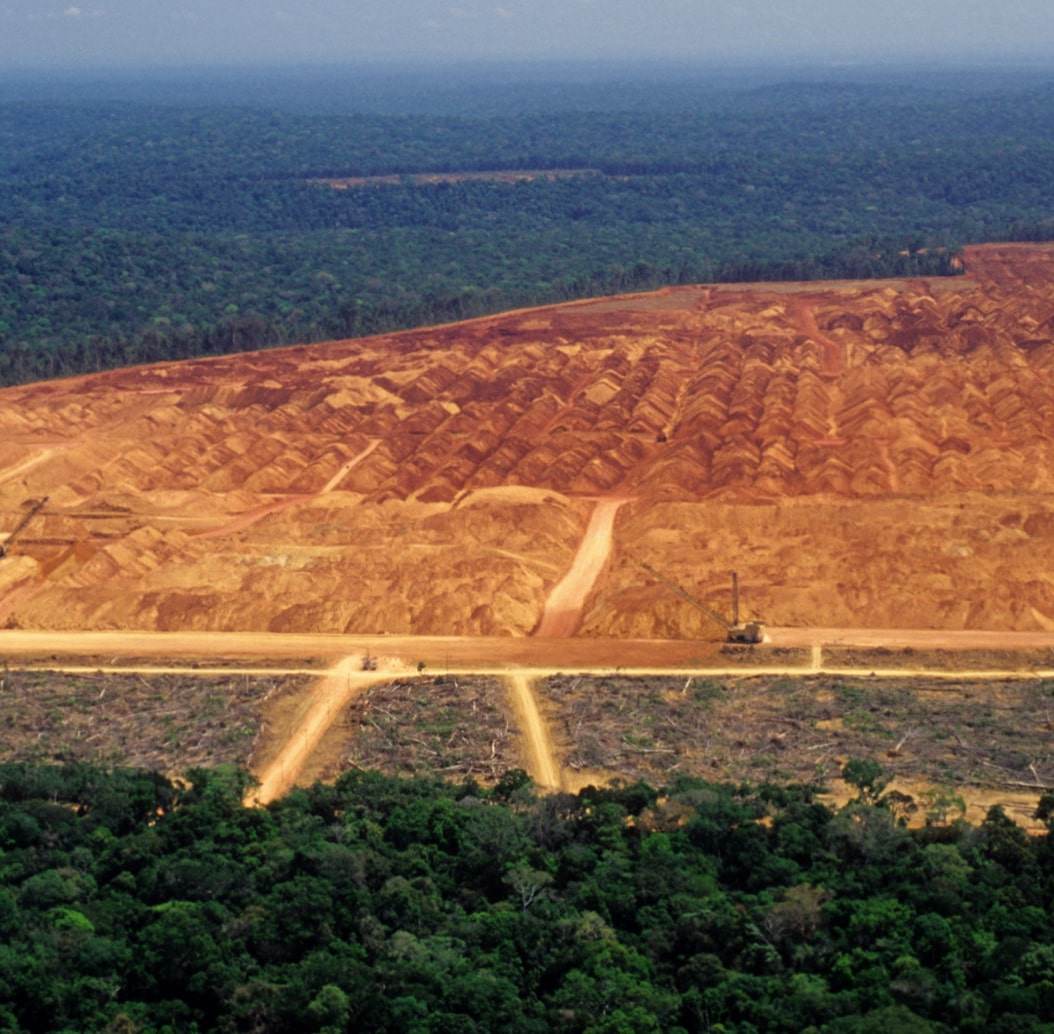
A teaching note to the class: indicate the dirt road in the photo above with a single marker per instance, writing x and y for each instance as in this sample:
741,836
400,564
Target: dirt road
563,609
349,467
328,698
543,766
444,653
911,638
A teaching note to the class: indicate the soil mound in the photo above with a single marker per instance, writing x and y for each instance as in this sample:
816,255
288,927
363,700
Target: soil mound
872,454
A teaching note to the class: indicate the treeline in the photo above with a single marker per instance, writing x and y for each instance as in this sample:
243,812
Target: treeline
129,903
343,316
127,228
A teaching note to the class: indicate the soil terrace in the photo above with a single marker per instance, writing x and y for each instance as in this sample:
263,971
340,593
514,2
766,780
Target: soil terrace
873,455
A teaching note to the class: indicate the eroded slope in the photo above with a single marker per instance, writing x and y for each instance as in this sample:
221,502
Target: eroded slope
864,454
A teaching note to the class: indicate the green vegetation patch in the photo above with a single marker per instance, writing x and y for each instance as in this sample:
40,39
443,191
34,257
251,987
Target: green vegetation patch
140,231
382,905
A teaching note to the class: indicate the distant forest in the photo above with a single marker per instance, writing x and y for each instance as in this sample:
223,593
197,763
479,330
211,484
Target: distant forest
166,218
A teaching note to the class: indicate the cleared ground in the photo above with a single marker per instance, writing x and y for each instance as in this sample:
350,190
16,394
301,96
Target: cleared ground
168,722
866,455
876,460
945,744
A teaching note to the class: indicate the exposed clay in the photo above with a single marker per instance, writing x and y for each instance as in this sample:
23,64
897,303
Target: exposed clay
869,455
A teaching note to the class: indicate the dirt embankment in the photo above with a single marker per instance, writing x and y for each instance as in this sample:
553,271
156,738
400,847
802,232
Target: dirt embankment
865,455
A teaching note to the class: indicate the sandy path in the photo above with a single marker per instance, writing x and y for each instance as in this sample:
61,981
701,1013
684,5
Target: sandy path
542,764
349,466
563,608
328,698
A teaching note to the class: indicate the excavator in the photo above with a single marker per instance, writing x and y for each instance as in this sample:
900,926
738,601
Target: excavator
749,633
5,546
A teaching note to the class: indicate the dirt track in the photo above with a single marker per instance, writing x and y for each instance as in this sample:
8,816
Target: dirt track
563,608
329,697
543,764
443,653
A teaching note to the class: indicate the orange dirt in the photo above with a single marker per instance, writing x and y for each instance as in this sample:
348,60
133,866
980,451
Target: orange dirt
875,459
542,762
866,455
563,608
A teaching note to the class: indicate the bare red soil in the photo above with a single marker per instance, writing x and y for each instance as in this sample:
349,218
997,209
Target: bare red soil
876,455
419,178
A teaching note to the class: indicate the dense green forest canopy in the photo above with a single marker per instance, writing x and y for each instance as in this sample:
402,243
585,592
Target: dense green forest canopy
129,903
164,217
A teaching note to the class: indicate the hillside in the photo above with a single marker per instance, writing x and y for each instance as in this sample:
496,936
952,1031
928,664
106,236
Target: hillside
872,454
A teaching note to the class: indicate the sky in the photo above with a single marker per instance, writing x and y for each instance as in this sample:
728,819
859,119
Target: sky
100,33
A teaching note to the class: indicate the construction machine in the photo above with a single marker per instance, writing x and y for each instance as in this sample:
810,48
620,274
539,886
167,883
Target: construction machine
5,546
750,632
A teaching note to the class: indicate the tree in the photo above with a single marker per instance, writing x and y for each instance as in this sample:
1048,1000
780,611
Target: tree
867,776
528,885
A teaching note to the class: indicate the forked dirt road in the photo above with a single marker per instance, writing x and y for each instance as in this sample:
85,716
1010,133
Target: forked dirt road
518,662
328,698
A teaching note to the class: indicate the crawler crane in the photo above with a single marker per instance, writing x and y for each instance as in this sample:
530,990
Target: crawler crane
751,632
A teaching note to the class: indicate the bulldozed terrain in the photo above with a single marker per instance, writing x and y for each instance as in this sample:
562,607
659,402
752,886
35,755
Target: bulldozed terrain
944,746
873,455
876,460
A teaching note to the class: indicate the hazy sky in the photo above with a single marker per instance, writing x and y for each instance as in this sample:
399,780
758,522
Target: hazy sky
101,32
